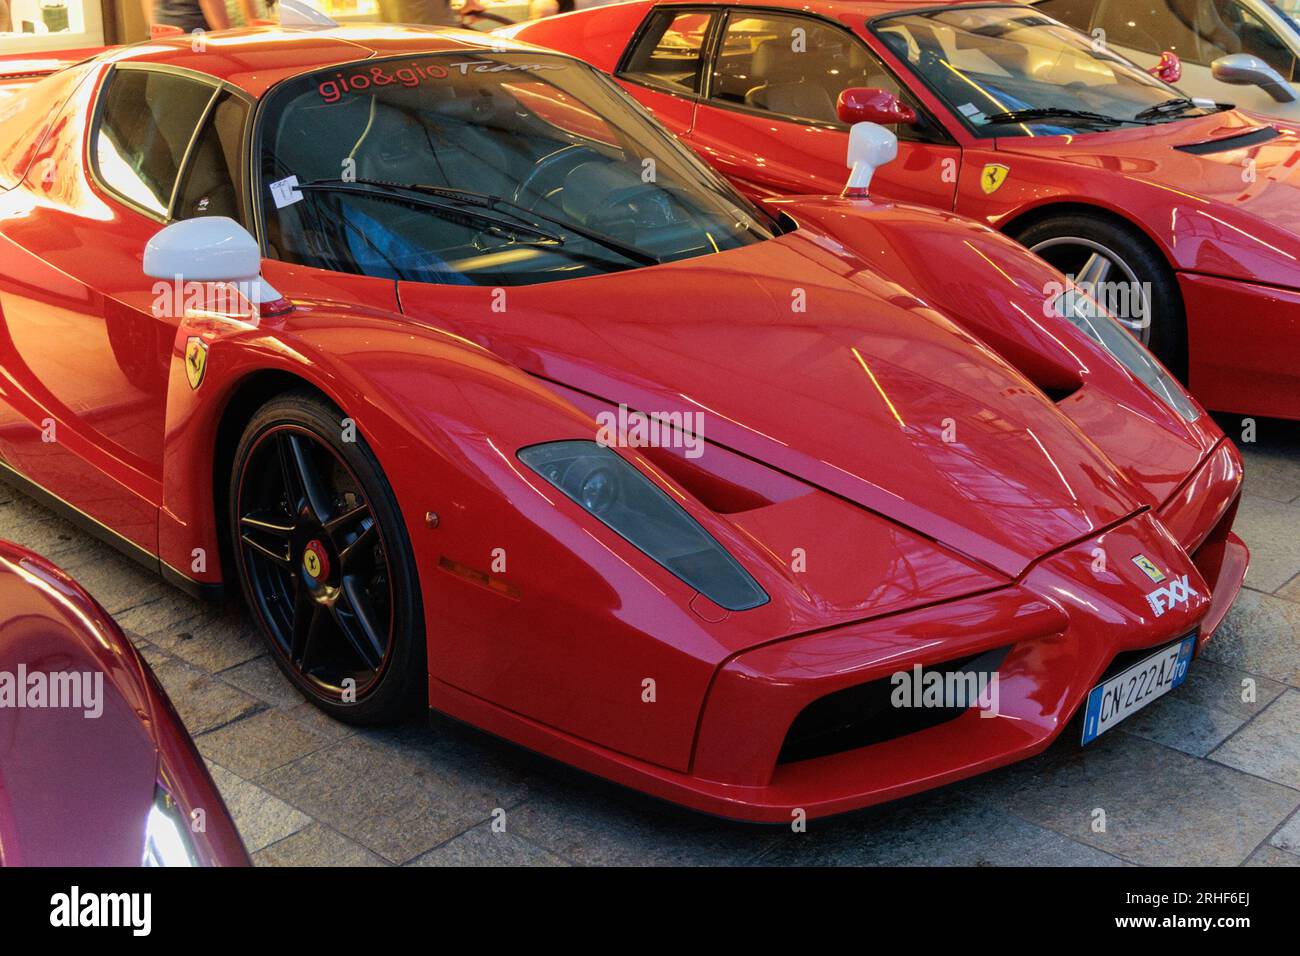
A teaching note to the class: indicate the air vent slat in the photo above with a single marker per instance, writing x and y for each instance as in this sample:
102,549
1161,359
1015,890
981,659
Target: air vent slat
1253,138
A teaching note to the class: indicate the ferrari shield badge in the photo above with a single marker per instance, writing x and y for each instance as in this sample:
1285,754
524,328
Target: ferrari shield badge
1148,567
196,360
994,175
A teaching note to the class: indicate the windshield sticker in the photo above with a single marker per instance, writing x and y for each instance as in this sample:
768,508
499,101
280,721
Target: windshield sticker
285,192
331,91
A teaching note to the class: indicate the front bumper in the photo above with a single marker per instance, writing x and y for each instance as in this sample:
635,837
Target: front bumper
1060,627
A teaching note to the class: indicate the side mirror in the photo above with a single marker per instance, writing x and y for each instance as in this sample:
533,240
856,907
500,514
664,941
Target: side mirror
866,104
209,249
870,147
1246,70
1169,69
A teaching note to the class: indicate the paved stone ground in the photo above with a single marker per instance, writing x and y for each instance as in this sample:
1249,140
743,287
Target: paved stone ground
1199,778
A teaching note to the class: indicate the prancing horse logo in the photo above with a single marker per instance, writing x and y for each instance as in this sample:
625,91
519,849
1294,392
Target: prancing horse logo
1148,567
994,175
315,562
196,360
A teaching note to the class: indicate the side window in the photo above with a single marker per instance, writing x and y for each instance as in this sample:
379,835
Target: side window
1075,13
1226,26
793,66
213,182
669,51
1152,26
146,121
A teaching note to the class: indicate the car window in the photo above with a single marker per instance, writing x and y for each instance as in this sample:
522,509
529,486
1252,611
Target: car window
570,177
1227,27
669,51
991,65
1077,13
146,121
1152,26
795,67
213,181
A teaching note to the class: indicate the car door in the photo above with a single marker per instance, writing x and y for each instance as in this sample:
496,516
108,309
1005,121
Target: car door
767,116
664,63
87,337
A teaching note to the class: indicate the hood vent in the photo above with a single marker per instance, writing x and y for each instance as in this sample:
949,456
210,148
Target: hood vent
1253,138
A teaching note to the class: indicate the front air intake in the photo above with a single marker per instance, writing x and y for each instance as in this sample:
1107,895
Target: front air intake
864,715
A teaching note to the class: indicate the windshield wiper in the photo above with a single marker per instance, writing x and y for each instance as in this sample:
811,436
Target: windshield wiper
511,208
1059,112
366,187
1179,104
493,210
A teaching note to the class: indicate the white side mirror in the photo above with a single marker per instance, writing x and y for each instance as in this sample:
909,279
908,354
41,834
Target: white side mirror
870,147
208,249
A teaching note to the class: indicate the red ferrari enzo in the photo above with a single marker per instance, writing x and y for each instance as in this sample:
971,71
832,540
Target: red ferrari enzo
95,767
1187,211
487,393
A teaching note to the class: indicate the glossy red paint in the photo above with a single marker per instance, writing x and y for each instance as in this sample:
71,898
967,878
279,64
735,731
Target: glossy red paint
1212,224
75,789
868,105
950,479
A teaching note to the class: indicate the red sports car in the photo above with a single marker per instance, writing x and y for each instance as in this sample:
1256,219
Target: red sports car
1187,212
490,395
95,767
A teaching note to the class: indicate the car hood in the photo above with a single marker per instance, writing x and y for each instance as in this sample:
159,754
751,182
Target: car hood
796,355
1221,192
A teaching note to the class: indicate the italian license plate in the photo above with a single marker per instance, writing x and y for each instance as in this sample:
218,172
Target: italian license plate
1128,692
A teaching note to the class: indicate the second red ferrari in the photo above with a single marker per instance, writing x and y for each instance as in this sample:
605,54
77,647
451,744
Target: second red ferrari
1186,212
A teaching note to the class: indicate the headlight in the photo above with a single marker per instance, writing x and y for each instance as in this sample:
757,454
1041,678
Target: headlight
629,503
1084,314
166,837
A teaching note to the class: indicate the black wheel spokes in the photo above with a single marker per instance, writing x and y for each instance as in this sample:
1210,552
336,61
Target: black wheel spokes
305,627
357,620
269,536
316,561
302,484
357,535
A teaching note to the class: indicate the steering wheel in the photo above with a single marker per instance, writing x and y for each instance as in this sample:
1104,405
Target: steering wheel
573,153
619,206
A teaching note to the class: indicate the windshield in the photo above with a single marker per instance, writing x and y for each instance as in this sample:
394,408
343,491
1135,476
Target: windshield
990,64
490,169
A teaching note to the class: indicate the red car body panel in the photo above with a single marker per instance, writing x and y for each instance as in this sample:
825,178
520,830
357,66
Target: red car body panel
1210,221
76,790
827,434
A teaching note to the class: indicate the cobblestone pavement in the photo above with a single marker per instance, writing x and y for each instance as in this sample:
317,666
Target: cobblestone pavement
1198,778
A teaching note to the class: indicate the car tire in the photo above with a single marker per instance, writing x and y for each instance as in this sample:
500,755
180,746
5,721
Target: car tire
1085,245
324,562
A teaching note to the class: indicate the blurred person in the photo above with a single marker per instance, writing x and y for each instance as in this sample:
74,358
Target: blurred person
191,15
548,8
431,12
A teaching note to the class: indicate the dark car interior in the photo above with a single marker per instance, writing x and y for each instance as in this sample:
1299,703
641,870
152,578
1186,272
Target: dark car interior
521,140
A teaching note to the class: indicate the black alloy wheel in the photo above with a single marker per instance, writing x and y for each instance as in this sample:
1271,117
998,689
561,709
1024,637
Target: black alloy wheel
325,563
